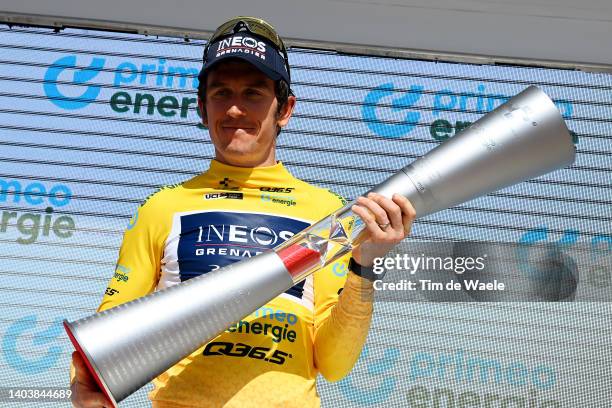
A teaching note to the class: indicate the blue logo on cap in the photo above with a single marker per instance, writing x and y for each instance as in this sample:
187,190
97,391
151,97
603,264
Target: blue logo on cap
80,77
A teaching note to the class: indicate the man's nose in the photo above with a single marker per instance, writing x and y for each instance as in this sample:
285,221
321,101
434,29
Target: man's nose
236,109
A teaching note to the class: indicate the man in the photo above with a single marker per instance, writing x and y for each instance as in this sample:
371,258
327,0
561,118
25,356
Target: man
247,202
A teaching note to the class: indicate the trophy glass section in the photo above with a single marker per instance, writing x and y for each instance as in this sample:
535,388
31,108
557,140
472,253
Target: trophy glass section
322,243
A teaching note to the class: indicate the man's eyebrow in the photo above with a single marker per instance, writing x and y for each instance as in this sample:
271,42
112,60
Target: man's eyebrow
216,84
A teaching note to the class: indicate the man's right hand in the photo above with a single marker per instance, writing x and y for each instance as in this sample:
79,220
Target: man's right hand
85,391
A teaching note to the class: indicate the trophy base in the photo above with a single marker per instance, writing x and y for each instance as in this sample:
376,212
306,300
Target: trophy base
90,365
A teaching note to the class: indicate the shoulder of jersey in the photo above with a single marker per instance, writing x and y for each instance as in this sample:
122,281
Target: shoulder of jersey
161,196
326,199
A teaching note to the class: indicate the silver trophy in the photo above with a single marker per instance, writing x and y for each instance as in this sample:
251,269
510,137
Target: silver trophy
125,348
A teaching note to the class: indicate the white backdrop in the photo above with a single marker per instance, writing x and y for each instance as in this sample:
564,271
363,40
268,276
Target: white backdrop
561,30
72,153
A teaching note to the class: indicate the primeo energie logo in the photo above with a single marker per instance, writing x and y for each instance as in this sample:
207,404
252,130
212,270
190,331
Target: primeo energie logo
70,86
67,87
32,225
384,103
20,339
398,104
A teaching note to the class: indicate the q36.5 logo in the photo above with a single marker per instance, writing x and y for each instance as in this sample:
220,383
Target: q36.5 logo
64,73
22,331
389,127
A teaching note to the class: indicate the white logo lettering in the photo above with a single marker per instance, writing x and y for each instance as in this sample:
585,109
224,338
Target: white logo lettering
249,42
242,44
216,231
285,235
261,235
236,234
261,47
265,230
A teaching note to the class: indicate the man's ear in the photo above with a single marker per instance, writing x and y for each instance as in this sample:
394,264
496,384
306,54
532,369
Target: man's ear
287,111
202,112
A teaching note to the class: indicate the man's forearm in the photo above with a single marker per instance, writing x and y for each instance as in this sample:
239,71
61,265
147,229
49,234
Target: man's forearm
340,338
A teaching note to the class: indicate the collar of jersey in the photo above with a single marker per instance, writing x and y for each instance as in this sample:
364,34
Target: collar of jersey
275,175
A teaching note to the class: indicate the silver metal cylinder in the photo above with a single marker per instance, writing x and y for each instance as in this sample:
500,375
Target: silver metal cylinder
129,345
524,138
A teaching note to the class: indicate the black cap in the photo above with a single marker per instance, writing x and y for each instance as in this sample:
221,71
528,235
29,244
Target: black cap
261,53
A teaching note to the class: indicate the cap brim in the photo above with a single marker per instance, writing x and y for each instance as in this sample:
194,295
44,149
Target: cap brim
253,60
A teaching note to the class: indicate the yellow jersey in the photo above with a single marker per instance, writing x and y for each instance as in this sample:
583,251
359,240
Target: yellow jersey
228,213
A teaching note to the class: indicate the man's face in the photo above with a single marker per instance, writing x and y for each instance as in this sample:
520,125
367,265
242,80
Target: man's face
241,114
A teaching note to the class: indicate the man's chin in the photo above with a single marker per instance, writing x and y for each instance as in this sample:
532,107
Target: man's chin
237,154
239,133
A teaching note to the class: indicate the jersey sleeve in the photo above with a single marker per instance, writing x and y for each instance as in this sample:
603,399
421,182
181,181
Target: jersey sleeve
138,266
342,314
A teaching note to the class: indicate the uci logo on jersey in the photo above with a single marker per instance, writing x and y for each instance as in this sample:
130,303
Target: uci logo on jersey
223,195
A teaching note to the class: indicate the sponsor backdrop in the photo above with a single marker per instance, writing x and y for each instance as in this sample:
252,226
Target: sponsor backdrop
92,123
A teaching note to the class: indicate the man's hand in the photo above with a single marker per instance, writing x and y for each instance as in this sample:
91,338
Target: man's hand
387,222
85,391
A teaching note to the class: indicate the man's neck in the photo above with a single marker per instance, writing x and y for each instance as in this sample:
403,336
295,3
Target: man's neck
269,160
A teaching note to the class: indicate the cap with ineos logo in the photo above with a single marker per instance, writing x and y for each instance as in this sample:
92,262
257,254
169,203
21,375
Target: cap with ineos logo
263,54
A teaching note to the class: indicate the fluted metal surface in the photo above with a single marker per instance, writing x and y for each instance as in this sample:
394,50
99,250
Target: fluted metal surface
522,139
132,343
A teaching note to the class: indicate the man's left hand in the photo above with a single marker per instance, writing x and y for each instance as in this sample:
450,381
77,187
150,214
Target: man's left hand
388,222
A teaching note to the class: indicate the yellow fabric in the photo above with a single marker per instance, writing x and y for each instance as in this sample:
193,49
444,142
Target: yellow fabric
341,331
281,354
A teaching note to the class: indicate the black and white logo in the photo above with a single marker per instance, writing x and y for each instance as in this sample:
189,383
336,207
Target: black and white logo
223,195
239,43
277,189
